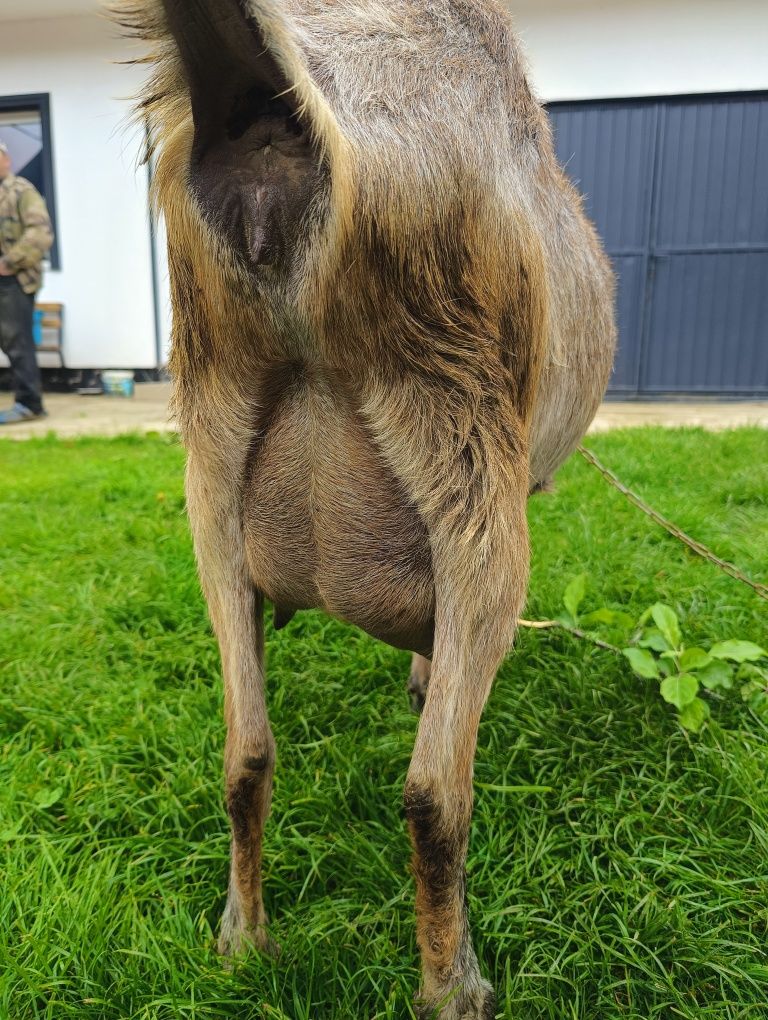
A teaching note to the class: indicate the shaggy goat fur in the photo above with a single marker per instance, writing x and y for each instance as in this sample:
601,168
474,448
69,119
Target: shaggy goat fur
391,322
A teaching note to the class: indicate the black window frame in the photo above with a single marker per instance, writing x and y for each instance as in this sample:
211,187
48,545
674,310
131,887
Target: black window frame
40,103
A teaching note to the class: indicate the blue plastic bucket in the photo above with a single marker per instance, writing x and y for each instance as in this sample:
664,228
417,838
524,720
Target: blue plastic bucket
37,326
117,384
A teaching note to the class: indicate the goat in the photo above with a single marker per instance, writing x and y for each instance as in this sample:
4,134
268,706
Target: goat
392,322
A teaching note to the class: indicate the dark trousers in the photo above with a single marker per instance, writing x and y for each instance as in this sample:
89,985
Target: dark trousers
17,342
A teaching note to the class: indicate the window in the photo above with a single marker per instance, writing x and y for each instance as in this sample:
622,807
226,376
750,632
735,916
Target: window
25,127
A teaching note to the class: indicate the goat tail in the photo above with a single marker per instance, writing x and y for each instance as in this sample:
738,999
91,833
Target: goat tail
288,43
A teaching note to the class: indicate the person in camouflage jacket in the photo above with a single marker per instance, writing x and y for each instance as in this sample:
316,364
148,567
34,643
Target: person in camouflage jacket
25,238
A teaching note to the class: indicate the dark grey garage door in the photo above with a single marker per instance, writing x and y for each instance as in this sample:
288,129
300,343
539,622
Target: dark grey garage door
678,189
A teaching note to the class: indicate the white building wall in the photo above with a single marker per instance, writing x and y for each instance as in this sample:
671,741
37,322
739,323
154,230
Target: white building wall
105,280
583,49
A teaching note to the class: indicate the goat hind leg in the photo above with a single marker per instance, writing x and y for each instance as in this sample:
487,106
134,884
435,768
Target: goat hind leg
236,611
249,761
465,467
478,597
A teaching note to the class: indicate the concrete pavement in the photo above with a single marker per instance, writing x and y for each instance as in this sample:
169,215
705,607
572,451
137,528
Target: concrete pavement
147,411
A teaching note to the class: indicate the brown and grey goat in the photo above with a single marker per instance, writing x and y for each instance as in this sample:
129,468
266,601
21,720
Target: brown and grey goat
391,323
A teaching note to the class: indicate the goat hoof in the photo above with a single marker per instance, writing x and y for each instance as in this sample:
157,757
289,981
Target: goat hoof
235,940
477,1003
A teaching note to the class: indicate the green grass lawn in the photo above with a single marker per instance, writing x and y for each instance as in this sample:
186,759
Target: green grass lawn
636,888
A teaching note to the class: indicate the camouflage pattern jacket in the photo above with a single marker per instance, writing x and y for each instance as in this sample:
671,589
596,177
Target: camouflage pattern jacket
25,231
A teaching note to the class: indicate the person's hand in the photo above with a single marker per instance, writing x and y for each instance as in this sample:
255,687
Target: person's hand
4,270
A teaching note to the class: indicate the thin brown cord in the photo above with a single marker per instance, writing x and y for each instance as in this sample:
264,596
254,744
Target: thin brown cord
576,631
671,528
